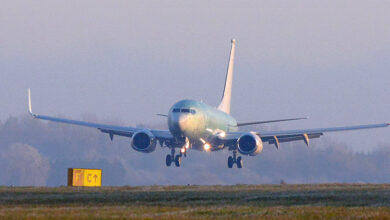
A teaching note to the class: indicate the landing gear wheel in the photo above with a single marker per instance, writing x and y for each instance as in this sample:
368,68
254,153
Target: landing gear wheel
177,160
168,160
239,162
230,161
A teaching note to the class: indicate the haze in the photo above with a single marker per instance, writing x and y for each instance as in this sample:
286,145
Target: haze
128,60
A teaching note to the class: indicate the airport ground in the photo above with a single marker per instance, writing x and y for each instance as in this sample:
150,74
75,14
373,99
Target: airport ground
322,201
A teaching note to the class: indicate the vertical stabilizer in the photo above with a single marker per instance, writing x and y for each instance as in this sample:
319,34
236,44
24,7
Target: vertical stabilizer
227,92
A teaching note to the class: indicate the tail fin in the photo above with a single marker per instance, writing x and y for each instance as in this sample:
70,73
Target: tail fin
227,92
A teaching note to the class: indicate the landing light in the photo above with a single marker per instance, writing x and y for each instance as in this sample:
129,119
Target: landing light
222,134
206,147
187,145
183,150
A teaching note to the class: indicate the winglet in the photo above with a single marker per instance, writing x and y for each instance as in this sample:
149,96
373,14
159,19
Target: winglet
29,103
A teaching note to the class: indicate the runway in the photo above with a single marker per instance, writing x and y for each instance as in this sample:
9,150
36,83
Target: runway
326,201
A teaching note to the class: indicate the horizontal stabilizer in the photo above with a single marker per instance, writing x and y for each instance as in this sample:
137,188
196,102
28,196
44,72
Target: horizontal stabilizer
270,121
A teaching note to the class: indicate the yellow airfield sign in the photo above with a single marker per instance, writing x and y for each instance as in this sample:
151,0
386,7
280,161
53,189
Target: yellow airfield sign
84,177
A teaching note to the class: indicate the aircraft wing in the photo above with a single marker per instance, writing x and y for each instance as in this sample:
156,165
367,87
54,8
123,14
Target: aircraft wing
277,137
105,128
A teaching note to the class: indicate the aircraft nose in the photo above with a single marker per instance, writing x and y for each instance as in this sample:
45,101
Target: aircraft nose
183,122
180,123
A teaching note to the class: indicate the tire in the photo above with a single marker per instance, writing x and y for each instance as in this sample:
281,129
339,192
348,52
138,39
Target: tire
230,162
177,160
239,162
168,160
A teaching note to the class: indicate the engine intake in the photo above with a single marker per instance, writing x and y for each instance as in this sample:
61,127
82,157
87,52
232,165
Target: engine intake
144,141
250,144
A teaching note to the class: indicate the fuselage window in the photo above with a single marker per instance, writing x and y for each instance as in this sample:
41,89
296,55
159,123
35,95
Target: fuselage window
193,111
176,110
185,110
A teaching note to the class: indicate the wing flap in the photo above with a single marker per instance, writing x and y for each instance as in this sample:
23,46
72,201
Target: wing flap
276,140
117,132
289,138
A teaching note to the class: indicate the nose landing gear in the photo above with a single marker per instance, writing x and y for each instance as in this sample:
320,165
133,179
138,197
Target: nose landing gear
234,159
171,158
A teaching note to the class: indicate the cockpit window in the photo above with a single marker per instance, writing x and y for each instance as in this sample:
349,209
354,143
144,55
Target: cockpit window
184,110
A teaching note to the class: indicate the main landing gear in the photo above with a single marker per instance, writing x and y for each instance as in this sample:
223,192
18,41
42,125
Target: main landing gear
234,159
171,158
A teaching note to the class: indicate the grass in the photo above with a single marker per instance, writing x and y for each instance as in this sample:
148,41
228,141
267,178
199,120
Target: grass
323,201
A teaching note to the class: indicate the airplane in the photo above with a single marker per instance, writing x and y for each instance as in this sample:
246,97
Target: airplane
194,125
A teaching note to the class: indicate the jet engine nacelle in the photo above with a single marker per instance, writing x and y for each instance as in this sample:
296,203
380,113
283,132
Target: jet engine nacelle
144,141
250,144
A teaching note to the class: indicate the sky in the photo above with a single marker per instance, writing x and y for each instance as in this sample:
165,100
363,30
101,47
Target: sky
125,61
